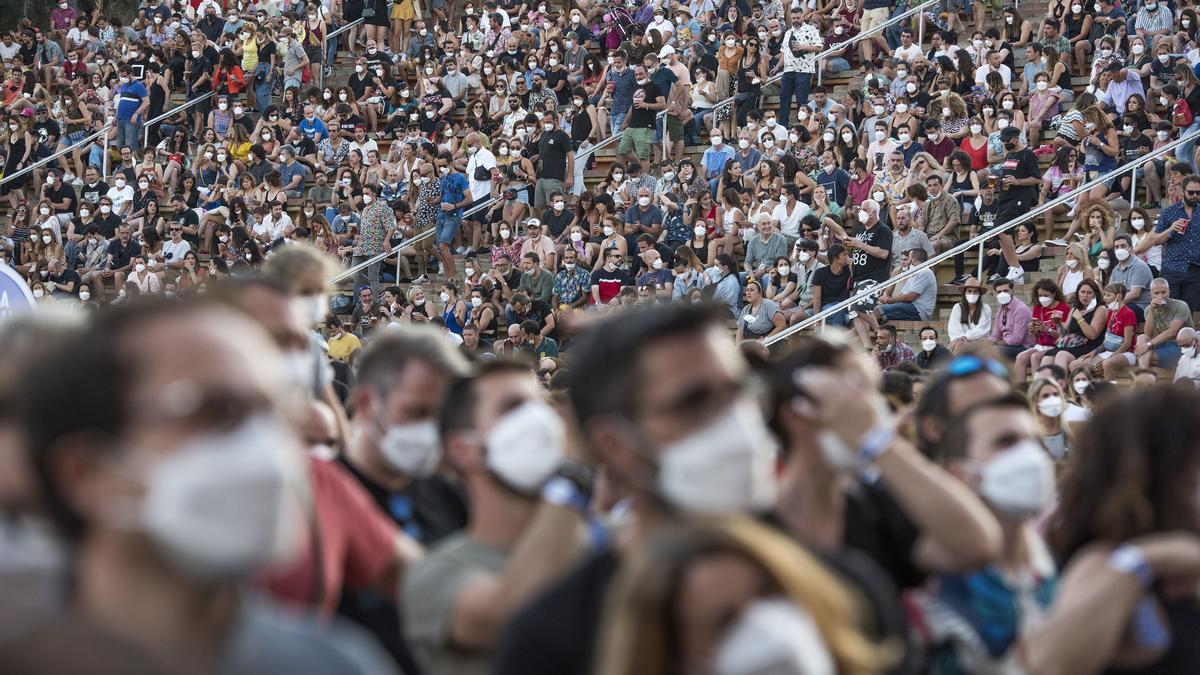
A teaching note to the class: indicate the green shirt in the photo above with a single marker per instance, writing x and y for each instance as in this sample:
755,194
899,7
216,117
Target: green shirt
1160,318
540,288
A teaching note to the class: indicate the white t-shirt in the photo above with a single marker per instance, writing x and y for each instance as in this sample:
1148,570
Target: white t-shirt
789,225
480,189
119,196
909,53
173,252
981,74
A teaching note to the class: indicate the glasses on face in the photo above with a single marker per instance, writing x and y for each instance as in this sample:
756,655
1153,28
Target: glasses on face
1192,193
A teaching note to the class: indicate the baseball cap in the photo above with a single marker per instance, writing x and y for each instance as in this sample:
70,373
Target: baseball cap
667,50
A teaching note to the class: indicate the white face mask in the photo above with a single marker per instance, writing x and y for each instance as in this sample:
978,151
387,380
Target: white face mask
413,449
85,296
1122,254
725,466
1019,482
1103,263
1189,351
1072,263
84,213
1080,385
863,217
504,234
444,296
804,256
1113,306
972,298
139,268
1002,123
105,209
880,135
576,237
526,446
1137,223
772,635
827,136
904,137
225,505
976,128
1004,297
744,143
643,201
1137,49
1042,85
1045,300
1007,104
476,301
1051,407
1163,135
928,345
879,197
847,137
608,231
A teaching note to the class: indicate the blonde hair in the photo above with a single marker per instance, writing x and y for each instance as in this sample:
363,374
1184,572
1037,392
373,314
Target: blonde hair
640,629
1080,253
1036,386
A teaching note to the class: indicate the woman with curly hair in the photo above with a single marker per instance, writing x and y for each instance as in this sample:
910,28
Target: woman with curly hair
954,116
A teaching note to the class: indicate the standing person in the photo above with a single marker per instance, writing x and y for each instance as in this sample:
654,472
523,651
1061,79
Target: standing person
132,99
480,165
555,161
378,221
510,447
647,100
166,577
1021,177
455,196
1180,244
800,45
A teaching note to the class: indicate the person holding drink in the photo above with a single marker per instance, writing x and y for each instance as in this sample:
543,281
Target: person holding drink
1050,311
1180,244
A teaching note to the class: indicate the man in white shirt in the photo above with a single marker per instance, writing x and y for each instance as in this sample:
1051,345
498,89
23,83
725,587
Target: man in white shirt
361,143
907,51
175,248
274,225
994,59
480,158
1189,363
120,193
881,147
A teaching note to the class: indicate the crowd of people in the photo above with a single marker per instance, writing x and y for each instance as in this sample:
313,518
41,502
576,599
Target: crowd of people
539,428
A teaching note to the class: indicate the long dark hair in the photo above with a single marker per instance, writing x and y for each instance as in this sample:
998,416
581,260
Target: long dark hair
1134,472
1094,286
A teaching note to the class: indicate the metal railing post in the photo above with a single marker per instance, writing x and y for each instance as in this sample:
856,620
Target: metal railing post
105,158
921,29
325,49
979,274
169,114
1133,189
1103,179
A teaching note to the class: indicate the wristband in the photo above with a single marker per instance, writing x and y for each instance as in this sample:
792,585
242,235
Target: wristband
1129,559
875,442
562,491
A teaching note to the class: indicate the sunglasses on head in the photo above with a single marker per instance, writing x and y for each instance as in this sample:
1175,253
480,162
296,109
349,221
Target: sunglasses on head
970,364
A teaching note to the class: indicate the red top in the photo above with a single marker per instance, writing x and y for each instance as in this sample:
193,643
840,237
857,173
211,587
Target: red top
860,191
1046,315
1119,320
357,543
978,157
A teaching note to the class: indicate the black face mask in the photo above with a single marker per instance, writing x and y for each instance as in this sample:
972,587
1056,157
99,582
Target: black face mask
1010,146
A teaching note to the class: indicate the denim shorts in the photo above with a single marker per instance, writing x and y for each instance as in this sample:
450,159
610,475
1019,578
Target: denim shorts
446,226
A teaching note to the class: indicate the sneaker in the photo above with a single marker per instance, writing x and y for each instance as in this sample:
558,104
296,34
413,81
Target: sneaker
421,280
470,251
460,250
959,281
1055,242
994,278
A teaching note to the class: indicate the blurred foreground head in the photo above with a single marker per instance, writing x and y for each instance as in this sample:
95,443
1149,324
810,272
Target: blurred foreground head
156,436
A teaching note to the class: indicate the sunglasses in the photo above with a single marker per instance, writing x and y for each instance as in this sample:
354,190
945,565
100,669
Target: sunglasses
1192,193
969,364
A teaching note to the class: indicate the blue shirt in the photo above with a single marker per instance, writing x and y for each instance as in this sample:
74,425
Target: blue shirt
714,160
750,159
1180,250
454,190
311,129
835,184
130,97
623,85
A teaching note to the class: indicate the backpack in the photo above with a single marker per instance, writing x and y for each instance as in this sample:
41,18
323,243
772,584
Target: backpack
1181,114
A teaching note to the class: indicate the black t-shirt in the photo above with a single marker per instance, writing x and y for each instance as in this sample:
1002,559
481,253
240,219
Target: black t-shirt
553,77
643,118
1134,147
834,287
428,510
986,216
62,192
122,254
538,311
556,223
1020,164
867,266
93,193
68,276
107,224
552,149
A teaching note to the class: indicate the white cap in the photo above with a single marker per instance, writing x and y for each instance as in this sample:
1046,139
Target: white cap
666,51
533,222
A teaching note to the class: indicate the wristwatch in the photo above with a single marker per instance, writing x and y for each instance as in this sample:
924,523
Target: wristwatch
570,485
1129,559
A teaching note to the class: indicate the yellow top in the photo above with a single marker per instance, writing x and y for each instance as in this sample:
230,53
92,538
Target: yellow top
249,55
342,346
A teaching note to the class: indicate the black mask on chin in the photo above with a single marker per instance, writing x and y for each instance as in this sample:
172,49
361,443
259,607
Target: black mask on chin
1010,146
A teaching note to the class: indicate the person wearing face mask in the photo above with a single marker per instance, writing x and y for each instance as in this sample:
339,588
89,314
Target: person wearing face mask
1020,176
572,284
555,162
1125,82
799,45
1179,243
1187,369
970,319
994,448
1010,321
790,630
132,100
665,460
527,496
139,547
932,353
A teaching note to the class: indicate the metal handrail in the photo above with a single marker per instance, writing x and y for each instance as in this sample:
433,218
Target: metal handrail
821,56
830,310
425,234
325,46
169,114
46,160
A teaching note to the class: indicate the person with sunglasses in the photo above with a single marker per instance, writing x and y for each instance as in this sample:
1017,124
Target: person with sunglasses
1180,244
